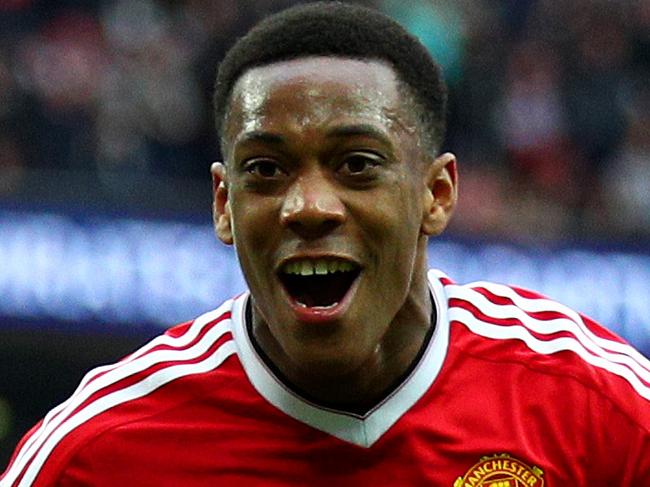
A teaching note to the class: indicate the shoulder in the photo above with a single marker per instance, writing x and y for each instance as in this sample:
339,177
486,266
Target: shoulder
132,389
512,325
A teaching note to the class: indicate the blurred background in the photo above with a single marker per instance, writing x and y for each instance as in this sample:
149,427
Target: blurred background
106,140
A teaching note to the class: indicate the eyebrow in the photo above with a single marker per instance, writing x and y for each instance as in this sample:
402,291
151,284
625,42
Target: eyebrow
364,130
261,136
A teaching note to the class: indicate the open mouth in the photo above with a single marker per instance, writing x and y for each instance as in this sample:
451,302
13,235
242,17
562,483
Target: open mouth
318,282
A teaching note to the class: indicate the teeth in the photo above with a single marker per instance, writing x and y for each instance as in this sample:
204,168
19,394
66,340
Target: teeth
306,269
345,266
318,267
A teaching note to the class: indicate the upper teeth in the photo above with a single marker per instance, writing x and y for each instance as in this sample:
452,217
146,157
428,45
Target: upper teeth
318,266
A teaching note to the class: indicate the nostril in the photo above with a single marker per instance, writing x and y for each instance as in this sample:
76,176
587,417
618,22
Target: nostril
313,229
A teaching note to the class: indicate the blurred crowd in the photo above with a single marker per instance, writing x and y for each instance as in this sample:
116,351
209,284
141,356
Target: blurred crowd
549,111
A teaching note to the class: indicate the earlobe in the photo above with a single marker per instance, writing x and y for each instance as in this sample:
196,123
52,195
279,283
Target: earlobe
441,181
220,204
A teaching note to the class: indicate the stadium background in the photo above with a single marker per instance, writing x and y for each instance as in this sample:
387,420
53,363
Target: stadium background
106,139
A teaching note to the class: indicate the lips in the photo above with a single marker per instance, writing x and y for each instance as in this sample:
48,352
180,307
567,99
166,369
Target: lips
319,288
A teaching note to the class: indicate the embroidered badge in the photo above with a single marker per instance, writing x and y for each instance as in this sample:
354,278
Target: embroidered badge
501,470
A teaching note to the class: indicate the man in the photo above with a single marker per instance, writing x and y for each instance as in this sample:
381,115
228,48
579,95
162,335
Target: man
348,362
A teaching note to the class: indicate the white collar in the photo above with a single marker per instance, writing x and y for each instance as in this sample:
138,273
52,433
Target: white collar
360,430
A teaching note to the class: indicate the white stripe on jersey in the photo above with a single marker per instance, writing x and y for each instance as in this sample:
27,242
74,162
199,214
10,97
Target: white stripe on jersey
576,343
142,388
546,347
544,304
52,419
545,327
61,417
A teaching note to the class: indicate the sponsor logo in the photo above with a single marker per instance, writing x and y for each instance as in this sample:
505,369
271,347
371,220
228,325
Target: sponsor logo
501,470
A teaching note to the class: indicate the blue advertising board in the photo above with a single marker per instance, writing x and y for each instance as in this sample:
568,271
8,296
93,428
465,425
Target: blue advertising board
120,271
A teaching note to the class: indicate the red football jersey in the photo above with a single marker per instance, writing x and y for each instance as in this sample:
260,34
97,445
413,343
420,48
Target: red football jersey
512,389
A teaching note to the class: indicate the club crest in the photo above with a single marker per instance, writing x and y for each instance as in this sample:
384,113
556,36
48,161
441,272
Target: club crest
501,470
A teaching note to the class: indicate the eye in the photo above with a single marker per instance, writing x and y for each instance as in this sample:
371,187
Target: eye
360,163
264,168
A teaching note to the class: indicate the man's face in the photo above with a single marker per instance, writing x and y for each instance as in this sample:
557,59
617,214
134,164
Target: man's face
324,195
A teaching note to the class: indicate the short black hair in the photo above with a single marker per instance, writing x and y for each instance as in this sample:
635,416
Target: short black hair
341,30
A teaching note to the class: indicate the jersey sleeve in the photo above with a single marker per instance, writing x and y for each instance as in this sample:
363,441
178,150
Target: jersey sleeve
114,394
49,475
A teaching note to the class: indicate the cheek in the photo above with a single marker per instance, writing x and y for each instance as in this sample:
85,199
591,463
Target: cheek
249,210
397,213
401,224
251,227
391,232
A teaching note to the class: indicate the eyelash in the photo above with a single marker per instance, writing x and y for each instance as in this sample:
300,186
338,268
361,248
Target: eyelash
251,166
369,160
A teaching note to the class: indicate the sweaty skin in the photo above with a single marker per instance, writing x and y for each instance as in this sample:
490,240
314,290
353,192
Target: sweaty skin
322,161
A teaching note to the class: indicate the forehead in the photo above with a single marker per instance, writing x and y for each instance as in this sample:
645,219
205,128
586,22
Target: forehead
315,93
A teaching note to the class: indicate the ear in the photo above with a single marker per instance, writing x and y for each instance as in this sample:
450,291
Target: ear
441,179
220,205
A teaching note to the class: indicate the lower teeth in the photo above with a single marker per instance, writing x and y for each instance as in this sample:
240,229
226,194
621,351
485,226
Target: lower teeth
317,306
307,301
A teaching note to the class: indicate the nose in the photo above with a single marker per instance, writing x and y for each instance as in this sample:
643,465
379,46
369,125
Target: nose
311,207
